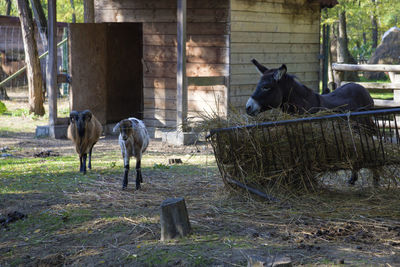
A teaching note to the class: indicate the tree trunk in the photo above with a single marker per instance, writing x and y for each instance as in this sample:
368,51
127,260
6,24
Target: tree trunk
33,71
88,11
40,19
343,54
3,91
8,9
374,27
73,11
332,54
41,22
174,219
342,39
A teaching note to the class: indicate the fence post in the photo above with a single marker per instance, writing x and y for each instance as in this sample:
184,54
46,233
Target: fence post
65,60
396,93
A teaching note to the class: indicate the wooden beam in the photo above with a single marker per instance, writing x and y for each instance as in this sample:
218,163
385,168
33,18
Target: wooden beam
381,86
207,81
51,70
365,67
181,92
386,103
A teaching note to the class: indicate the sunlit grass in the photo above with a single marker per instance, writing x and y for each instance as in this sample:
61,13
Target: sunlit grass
27,122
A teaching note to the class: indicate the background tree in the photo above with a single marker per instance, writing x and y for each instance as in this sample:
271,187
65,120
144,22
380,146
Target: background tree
65,9
366,22
374,26
34,73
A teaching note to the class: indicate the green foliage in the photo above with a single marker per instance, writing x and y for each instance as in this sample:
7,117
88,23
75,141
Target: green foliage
3,108
161,166
3,8
358,15
64,9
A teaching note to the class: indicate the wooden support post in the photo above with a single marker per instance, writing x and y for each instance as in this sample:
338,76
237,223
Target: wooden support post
325,52
88,11
51,70
174,219
181,92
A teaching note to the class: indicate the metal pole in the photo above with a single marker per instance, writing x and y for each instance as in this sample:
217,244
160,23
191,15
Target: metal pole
181,92
51,71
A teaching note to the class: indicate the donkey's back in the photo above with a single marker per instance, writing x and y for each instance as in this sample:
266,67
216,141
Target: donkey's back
348,97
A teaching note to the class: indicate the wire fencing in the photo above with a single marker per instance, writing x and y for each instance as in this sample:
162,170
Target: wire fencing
13,57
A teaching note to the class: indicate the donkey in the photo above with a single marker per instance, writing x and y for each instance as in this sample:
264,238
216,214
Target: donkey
278,89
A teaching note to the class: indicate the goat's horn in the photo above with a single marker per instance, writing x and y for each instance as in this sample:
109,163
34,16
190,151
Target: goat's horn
73,113
116,127
87,113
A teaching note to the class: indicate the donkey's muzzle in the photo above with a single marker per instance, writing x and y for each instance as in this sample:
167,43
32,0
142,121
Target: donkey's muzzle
252,107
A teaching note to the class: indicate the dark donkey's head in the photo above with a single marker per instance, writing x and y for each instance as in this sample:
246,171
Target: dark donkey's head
268,93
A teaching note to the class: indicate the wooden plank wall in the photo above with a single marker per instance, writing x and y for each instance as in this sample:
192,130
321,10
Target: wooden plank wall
273,32
207,52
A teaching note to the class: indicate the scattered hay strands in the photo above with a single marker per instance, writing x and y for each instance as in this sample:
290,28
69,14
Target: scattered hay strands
284,153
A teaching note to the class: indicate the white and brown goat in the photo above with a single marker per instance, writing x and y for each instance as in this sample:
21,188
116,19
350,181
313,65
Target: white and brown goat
133,140
84,130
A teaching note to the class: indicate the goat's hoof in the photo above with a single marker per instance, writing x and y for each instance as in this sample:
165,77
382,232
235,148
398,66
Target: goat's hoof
138,187
124,187
351,182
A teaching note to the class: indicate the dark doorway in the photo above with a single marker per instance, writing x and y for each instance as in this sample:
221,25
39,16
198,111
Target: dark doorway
106,69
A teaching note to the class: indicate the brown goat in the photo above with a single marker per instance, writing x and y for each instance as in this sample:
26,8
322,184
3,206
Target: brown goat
84,130
10,67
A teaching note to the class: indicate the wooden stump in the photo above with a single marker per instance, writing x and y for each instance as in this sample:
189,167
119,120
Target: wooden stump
174,219
271,261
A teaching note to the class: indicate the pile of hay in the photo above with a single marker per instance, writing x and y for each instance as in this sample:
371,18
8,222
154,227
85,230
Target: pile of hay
291,156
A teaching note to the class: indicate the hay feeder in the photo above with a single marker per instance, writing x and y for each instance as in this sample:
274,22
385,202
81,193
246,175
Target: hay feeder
290,154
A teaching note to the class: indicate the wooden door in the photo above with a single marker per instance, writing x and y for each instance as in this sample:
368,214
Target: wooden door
106,69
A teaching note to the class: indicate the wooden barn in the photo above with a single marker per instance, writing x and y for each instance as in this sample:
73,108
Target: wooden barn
166,83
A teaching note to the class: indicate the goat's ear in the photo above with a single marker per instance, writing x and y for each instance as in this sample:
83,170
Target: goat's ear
116,127
261,69
278,74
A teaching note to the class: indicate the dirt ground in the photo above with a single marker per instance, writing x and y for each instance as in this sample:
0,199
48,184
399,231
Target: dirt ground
92,222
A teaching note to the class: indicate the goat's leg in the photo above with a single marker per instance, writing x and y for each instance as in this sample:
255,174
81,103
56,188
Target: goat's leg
139,178
84,163
375,177
90,158
354,177
80,164
126,167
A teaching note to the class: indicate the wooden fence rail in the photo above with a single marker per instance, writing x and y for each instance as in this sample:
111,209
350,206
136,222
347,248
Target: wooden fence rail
394,74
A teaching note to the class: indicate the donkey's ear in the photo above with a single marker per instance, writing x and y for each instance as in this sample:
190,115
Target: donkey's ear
278,74
261,69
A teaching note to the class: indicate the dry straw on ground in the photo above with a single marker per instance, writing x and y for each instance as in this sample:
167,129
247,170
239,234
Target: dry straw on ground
293,156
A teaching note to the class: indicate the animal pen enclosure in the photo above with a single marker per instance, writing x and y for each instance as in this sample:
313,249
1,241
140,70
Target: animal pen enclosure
393,86
13,55
291,154
196,54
